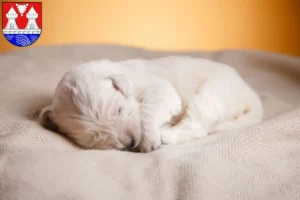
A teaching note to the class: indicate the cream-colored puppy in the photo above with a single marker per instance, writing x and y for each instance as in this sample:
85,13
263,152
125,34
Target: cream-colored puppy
143,103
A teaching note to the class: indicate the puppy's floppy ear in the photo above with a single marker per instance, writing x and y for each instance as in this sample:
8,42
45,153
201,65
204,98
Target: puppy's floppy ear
46,118
123,84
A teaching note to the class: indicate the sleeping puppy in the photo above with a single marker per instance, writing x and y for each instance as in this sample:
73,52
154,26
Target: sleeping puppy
140,104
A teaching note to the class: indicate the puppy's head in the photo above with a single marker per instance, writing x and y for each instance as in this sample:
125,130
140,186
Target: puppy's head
95,112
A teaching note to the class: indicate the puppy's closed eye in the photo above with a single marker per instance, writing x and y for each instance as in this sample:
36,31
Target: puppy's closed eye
120,111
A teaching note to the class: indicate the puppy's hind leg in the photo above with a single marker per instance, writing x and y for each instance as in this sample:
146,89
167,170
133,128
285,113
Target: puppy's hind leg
185,131
193,125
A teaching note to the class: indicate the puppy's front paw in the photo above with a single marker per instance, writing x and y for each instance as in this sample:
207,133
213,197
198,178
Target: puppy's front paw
149,144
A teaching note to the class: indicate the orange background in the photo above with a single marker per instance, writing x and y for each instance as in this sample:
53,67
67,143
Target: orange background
269,25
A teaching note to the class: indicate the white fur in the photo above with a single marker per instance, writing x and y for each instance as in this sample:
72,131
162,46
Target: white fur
170,99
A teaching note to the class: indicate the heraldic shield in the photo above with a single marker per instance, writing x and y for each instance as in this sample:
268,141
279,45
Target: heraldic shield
22,22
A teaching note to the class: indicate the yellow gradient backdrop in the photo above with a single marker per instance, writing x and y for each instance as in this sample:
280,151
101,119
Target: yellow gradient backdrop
269,25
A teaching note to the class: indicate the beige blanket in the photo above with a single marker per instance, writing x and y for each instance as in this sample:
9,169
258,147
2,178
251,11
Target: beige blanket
262,162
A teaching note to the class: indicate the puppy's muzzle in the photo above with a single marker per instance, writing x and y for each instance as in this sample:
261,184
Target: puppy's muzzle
130,146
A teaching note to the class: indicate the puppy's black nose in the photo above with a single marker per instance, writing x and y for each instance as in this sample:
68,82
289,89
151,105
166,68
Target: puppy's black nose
130,146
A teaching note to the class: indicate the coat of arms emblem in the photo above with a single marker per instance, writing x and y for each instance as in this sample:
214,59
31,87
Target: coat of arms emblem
22,22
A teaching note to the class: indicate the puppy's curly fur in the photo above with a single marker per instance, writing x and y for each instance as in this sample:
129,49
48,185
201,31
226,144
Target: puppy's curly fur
142,103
